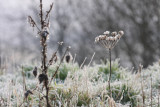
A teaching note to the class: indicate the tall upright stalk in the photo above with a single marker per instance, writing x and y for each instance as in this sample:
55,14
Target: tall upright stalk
44,52
109,41
151,91
43,32
110,73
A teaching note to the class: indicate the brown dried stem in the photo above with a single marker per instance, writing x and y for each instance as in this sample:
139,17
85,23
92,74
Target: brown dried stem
33,23
48,12
59,64
44,52
24,82
142,83
151,90
110,73
158,98
54,56
41,14
44,55
44,33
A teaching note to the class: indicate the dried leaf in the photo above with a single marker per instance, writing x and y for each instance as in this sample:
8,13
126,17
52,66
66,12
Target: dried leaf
27,93
42,77
35,71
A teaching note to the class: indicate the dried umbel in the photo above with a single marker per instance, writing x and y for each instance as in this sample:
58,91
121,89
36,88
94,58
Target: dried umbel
109,41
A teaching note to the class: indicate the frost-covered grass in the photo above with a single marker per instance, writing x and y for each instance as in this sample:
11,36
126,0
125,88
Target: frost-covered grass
84,87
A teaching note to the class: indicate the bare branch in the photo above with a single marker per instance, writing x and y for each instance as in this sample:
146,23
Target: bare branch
41,14
48,12
91,59
59,64
32,23
54,56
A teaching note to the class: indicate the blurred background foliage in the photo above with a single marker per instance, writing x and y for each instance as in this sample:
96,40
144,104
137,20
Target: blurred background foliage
77,23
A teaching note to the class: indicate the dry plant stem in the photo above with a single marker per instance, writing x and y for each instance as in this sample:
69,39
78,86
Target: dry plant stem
142,84
44,66
24,83
83,62
44,56
91,59
44,51
110,92
143,90
59,65
43,41
31,21
53,56
41,14
39,100
158,98
47,15
47,91
143,95
74,58
151,91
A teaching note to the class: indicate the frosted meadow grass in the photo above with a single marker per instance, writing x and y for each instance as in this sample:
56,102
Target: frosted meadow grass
87,86
61,82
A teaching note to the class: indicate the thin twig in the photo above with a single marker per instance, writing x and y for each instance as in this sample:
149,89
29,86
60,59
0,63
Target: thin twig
83,62
54,55
59,64
74,58
48,12
110,73
91,59
24,83
21,104
41,14
33,23
44,53
158,98
151,90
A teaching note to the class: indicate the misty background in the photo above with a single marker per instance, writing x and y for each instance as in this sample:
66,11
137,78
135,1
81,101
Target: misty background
77,23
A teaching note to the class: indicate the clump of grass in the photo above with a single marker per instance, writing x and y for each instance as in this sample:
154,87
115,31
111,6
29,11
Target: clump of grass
105,70
63,71
124,94
83,99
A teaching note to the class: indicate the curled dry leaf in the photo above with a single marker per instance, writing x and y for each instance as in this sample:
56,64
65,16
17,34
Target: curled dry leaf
42,77
35,71
26,94
68,58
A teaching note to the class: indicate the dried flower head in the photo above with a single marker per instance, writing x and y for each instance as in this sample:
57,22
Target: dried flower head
35,71
45,32
114,34
106,33
26,94
31,21
60,43
68,57
109,41
42,77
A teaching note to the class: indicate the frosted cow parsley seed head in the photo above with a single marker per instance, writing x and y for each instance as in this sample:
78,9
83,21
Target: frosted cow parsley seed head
109,41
